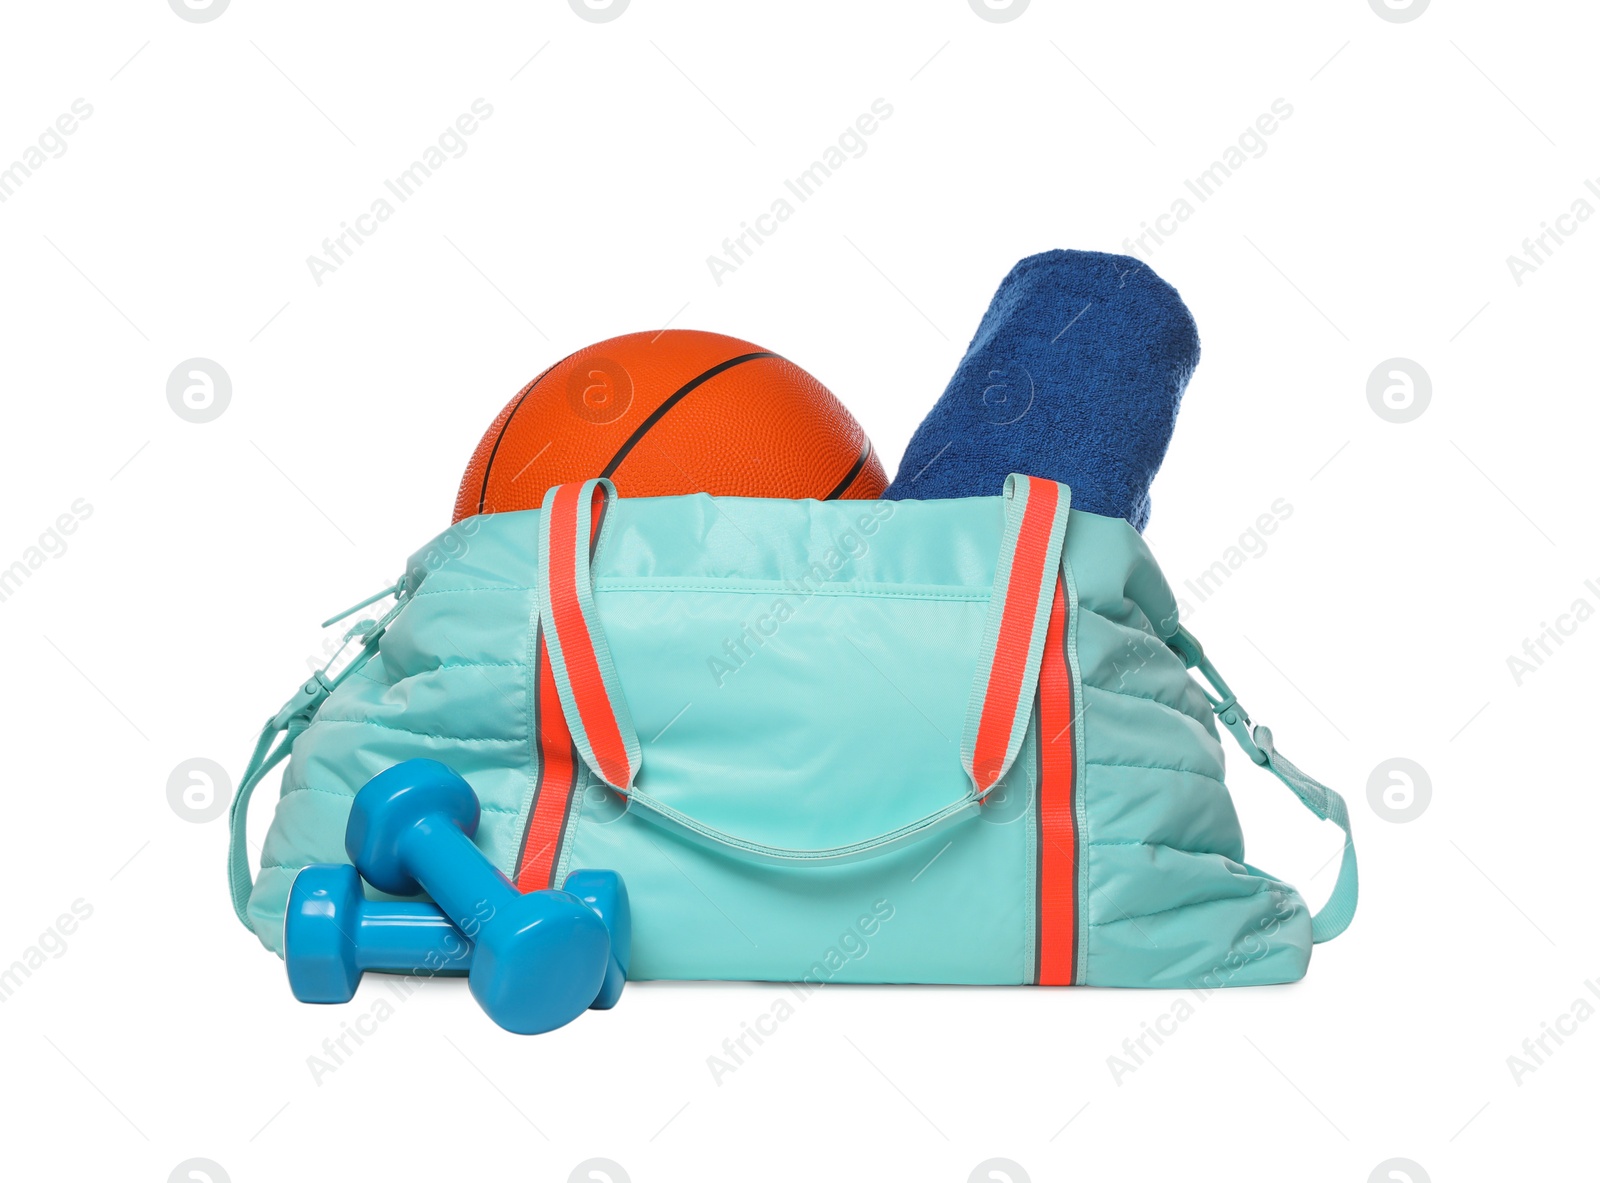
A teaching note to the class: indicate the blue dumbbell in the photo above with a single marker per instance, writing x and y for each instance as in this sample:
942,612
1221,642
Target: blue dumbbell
332,934
539,959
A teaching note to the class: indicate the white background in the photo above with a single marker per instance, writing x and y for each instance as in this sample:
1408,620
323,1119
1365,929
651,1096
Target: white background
1377,624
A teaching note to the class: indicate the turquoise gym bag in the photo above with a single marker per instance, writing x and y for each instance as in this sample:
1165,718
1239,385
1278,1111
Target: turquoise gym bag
831,741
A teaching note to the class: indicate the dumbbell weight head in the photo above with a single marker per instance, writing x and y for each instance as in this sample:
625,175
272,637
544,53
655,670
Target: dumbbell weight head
319,948
387,811
540,962
605,892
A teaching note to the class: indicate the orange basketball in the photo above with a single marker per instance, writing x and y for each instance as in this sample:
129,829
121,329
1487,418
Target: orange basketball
668,412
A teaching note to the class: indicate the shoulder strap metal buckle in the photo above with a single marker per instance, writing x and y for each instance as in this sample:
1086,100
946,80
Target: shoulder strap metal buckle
1256,741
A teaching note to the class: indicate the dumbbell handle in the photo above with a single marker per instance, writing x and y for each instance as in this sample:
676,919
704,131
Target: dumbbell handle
399,936
454,872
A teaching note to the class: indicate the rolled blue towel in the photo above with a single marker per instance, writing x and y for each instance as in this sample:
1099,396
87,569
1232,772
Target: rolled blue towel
1075,374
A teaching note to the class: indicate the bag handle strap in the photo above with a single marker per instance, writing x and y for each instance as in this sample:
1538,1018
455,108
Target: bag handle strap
687,826
1001,702
571,524
1335,915
571,528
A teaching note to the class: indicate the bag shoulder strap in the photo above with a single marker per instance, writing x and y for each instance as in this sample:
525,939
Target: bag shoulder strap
288,722
1256,741
293,718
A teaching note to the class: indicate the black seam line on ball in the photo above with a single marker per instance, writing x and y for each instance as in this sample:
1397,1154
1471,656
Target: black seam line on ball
673,400
849,478
483,493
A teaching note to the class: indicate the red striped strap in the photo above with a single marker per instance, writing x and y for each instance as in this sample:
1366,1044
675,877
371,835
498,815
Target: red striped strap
571,527
1056,943
1002,697
555,782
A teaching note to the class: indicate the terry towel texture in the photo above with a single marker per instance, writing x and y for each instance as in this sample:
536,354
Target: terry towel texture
1075,374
